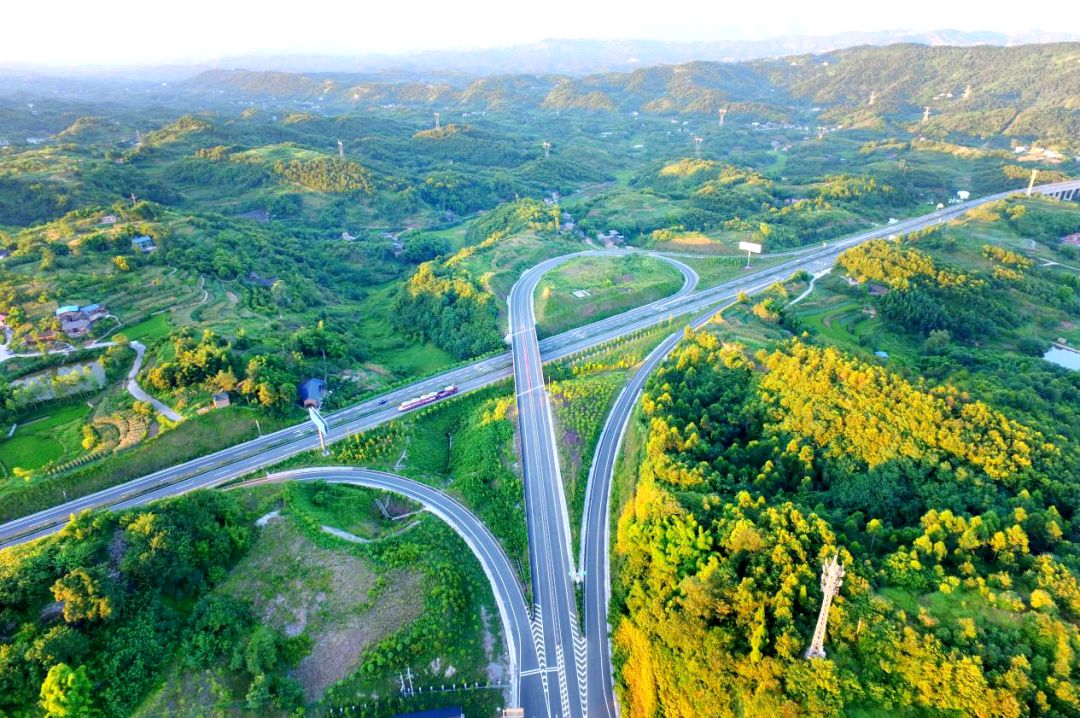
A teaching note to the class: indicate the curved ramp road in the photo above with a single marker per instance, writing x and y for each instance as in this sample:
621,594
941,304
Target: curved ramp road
525,685
595,555
559,646
242,459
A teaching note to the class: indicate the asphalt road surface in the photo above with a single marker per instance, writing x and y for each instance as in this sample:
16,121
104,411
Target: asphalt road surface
242,459
525,692
574,672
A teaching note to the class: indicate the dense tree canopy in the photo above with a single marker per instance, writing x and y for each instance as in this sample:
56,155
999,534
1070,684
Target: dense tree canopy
953,523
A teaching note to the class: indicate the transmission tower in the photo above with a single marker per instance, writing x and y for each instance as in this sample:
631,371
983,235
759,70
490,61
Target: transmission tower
697,146
1031,184
341,149
926,115
723,111
967,91
547,149
138,138
832,575
873,98
437,125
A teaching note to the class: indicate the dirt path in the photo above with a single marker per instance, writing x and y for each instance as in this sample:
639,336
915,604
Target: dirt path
809,288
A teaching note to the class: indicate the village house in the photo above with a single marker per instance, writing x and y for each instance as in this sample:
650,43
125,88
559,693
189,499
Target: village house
611,237
311,392
109,219
45,337
221,400
143,244
75,321
1073,240
255,279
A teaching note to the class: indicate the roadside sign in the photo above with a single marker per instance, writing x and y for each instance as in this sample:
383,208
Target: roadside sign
318,421
750,248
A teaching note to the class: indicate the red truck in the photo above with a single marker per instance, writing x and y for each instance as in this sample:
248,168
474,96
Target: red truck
428,398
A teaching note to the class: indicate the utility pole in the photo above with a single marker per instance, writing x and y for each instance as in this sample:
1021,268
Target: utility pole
1031,184
832,575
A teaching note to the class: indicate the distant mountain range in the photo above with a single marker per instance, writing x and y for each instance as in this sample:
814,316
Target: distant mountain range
555,56
1024,91
581,57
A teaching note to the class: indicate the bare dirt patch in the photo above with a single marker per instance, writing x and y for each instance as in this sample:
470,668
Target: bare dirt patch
300,587
337,649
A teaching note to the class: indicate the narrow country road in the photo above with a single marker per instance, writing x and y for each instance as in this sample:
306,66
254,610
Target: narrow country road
137,391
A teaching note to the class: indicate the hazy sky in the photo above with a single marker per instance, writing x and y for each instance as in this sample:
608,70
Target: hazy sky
129,32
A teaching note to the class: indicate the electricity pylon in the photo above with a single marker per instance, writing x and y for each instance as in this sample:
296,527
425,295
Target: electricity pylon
832,575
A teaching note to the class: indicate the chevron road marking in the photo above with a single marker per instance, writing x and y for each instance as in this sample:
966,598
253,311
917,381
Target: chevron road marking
536,626
581,663
564,691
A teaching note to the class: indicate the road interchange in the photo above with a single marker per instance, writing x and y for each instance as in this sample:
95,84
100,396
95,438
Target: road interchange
583,691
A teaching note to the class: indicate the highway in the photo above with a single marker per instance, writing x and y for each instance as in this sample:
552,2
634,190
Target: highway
527,691
559,645
574,671
240,460
243,459
595,547
594,551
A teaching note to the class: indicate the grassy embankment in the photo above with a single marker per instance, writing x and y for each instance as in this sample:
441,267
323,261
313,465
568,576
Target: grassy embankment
607,286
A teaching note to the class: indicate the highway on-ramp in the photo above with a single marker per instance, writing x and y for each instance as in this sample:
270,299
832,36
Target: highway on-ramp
525,687
560,646
578,675
239,460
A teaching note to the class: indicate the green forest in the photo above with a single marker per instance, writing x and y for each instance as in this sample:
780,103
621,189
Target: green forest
942,474
954,524
227,236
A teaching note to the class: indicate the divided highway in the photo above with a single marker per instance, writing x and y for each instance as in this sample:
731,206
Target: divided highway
242,459
559,645
566,674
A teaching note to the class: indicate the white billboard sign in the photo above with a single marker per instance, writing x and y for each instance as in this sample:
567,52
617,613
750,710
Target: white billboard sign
318,421
750,247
